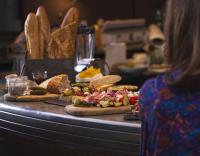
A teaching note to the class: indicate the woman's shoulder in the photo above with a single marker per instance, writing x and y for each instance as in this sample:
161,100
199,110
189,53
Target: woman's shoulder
150,89
155,84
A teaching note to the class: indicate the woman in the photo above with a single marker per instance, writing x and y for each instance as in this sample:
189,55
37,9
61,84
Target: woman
170,103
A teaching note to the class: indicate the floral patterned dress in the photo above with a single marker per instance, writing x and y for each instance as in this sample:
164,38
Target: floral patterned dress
170,120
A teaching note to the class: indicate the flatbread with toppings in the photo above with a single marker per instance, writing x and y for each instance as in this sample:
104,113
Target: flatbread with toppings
109,79
122,87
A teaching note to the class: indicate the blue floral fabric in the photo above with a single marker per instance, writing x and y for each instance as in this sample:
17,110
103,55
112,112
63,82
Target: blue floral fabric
170,120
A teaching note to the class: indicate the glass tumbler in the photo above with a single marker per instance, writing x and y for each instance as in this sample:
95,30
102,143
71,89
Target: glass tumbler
17,85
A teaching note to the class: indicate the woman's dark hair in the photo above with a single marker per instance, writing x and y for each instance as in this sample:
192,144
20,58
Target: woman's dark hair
182,31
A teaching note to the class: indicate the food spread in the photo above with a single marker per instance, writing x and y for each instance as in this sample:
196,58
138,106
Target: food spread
92,89
108,98
100,92
105,95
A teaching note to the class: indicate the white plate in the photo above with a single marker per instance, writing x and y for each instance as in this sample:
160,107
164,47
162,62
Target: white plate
133,70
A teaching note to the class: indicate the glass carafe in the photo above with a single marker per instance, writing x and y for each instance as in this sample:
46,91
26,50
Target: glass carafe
84,47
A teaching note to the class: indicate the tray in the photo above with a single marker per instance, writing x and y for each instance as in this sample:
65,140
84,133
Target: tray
95,111
31,98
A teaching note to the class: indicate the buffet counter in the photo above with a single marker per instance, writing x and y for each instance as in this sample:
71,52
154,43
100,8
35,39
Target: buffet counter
42,123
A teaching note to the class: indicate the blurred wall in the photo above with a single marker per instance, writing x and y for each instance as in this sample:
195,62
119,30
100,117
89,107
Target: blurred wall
90,9
93,9
55,8
147,8
9,15
107,9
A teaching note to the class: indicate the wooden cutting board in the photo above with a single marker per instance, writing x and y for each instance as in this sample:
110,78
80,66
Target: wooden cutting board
31,98
94,111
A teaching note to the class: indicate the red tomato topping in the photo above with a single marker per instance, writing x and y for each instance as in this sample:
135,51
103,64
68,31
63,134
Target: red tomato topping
132,100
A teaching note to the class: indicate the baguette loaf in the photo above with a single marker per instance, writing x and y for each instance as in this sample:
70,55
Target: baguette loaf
32,36
71,16
44,29
62,42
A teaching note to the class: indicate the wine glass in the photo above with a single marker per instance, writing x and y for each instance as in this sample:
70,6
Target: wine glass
101,64
39,77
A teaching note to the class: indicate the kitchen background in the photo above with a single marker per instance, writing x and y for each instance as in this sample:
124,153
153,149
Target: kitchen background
13,14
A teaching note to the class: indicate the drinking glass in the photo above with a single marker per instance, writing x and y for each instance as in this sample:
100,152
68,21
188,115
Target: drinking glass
101,64
17,85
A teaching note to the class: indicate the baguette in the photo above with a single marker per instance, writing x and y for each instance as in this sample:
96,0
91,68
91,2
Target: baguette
62,42
72,15
44,29
32,36
105,80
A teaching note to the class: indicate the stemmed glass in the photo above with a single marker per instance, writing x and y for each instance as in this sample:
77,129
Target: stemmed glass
39,77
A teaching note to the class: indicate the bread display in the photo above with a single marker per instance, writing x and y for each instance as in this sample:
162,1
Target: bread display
32,37
62,42
59,44
71,16
44,29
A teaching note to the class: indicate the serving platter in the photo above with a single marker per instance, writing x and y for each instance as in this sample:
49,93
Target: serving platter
95,111
31,98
